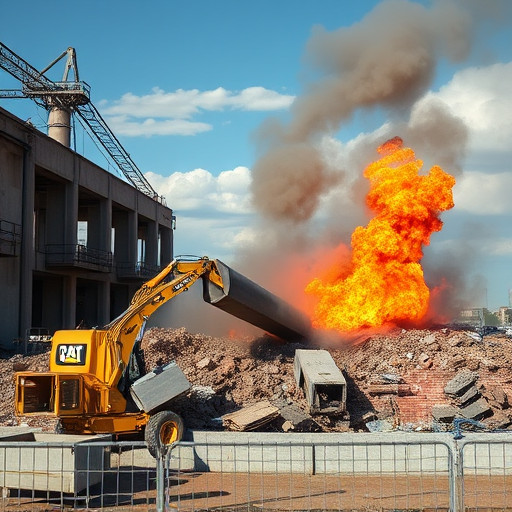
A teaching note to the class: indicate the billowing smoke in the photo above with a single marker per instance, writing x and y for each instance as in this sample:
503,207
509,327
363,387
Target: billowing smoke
308,186
387,60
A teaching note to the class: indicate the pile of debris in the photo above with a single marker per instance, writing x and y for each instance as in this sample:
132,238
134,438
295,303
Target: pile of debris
405,379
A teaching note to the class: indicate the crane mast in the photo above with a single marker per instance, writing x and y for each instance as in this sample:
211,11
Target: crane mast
64,98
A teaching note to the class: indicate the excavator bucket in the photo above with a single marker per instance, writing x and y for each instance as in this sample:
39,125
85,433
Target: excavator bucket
248,301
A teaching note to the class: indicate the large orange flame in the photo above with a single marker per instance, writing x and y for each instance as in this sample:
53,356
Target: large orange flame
385,282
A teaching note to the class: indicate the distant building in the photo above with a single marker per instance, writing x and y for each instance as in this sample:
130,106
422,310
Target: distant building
75,240
505,316
477,317
473,317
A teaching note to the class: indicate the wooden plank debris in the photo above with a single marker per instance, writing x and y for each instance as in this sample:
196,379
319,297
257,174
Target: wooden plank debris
251,417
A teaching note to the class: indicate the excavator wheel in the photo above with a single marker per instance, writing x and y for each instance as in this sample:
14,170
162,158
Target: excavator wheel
162,429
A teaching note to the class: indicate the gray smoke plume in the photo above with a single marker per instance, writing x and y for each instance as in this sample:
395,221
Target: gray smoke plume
387,60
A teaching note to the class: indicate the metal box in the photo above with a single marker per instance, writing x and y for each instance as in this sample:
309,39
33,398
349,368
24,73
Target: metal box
323,383
158,388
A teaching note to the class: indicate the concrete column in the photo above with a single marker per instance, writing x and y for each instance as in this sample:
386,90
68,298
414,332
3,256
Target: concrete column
103,303
125,249
132,236
152,243
71,212
69,302
166,248
106,224
99,225
27,255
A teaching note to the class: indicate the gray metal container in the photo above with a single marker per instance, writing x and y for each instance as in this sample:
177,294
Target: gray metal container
158,388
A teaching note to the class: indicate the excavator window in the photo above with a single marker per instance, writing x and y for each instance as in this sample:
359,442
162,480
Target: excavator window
69,394
37,393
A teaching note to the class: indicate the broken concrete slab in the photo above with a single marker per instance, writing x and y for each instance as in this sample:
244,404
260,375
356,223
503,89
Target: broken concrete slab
379,426
296,419
444,413
476,410
323,383
500,397
470,395
460,383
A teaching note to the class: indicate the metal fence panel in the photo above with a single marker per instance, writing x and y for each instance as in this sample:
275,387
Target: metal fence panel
97,475
486,466
366,473
305,476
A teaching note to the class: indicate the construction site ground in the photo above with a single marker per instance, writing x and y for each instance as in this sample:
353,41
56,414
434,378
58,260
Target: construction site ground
394,380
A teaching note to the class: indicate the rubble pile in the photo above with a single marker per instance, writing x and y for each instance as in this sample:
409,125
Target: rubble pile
405,379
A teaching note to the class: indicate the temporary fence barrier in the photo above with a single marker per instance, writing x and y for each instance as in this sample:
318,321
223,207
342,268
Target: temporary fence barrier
275,472
336,475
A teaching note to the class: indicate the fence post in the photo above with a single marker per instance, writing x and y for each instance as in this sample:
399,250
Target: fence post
160,481
457,479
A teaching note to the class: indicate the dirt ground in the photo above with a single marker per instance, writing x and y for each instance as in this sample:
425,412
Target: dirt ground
393,380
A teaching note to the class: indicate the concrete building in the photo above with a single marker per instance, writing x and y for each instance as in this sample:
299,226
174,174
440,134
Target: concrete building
75,240
505,316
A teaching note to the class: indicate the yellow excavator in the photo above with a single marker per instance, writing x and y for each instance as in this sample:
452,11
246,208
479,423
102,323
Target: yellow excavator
97,383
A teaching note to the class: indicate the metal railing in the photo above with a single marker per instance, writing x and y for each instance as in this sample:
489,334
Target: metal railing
140,270
10,238
77,255
312,472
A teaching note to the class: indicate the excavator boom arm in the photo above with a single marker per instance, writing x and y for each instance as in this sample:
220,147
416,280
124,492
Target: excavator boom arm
177,277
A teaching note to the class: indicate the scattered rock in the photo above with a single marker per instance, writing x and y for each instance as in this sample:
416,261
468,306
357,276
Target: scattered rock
229,374
379,426
476,410
429,339
424,361
469,396
460,383
444,413
500,397
296,419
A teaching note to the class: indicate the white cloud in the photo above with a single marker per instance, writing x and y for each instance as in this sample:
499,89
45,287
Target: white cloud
483,99
170,113
213,212
215,216
122,125
199,193
500,247
484,194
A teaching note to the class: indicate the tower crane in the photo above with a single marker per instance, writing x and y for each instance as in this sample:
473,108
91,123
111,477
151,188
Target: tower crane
64,98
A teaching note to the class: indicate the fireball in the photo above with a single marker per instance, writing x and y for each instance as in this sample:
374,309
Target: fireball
385,283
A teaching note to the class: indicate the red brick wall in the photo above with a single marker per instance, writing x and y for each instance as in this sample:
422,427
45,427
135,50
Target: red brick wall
428,388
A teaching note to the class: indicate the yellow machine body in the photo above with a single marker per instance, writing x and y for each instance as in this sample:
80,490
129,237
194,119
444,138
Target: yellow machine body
81,388
90,371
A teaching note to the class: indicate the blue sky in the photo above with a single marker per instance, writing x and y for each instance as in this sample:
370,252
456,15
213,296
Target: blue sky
187,86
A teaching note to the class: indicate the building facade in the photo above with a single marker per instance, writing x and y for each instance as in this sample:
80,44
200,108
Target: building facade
75,240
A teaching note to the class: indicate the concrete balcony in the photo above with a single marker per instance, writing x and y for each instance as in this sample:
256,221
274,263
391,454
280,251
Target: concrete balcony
77,256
